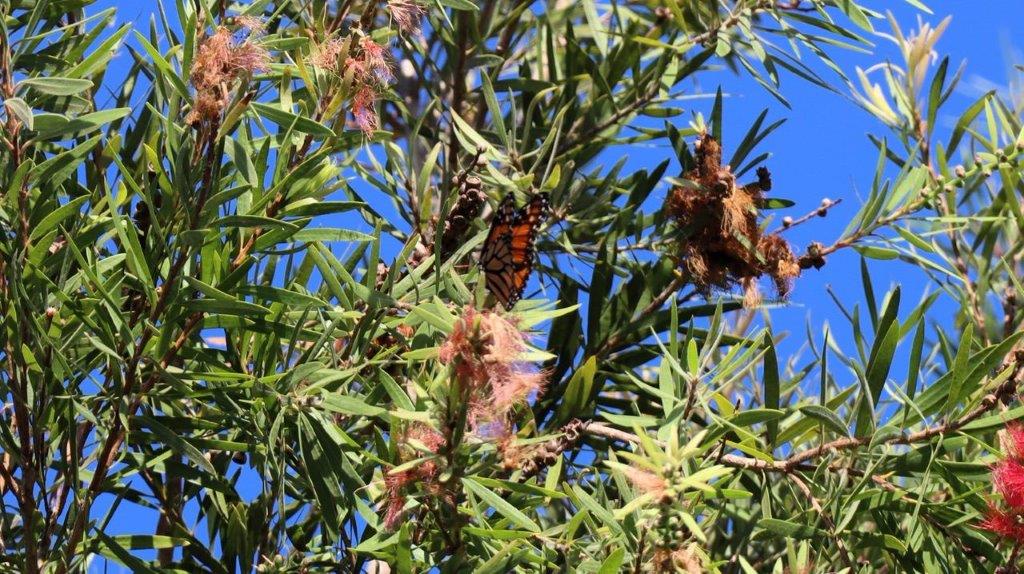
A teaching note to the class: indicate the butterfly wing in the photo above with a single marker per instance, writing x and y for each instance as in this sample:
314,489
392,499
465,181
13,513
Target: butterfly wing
496,255
501,224
508,253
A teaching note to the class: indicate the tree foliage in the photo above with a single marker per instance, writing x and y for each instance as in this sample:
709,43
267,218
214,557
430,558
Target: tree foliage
239,294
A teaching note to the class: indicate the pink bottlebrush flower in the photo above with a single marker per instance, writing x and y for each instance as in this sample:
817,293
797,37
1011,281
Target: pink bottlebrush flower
1008,476
486,349
505,341
209,68
408,15
458,341
370,72
426,435
434,442
207,105
328,55
1006,524
253,24
375,57
363,110
250,58
395,505
358,68
219,61
514,385
395,484
1012,440
679,560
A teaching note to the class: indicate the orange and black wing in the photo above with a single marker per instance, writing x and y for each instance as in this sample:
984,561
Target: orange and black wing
508,252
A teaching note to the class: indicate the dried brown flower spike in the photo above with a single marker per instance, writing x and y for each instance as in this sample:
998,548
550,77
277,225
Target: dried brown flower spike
722,241
466,209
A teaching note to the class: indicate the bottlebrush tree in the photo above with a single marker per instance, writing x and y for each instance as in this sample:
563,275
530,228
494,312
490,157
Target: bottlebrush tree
247,324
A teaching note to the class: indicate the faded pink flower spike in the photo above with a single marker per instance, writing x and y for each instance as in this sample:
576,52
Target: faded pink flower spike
219,61
328,55
486,349
375,57
395,484
363,110
256,26
513,384
408,15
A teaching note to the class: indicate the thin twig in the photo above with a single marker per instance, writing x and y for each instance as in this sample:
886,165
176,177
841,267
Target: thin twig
927,196
797,460
806,490
817,212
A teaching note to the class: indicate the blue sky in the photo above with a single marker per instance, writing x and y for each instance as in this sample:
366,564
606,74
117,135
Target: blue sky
808,162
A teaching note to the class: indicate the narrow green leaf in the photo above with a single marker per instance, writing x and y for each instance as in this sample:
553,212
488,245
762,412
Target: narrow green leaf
596,26
164,69
878,367
960,367
349,405
716,117
49,126
54,218
771,386
288,120
788,529
613,563
21,111
56,86
500,505
966,119
827,417
935,92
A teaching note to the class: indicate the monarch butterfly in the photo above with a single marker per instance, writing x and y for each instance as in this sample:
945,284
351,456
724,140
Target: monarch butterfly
507,254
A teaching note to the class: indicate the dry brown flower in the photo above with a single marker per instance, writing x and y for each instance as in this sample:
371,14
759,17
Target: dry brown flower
723,244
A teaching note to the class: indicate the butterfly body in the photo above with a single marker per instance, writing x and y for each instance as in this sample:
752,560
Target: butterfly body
508,252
